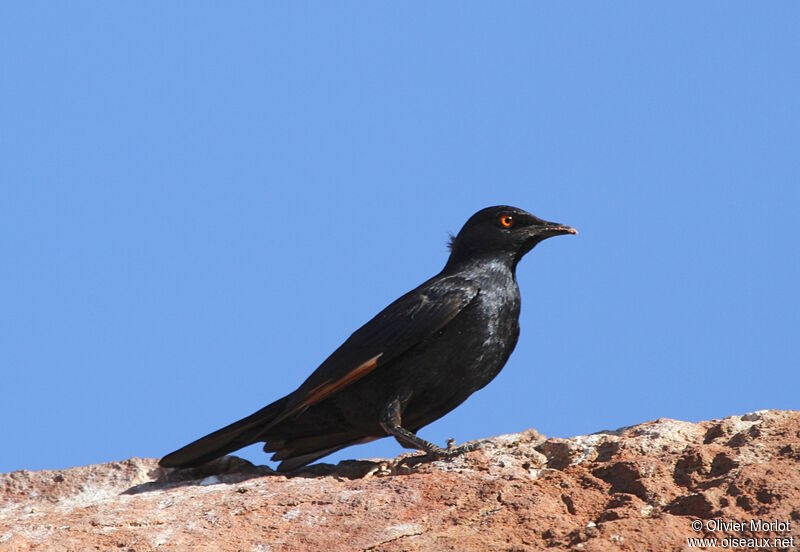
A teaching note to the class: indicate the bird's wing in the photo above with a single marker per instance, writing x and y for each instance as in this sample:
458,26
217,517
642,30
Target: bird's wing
408,321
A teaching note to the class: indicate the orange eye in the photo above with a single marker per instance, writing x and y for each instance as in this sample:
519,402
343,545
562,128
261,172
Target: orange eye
506,221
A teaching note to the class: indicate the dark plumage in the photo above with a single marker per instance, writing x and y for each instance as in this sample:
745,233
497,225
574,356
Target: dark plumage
418,359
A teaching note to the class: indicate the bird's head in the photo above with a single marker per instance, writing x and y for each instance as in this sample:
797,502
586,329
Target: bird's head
502,231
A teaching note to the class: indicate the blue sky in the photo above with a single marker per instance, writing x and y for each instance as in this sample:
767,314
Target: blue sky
198,204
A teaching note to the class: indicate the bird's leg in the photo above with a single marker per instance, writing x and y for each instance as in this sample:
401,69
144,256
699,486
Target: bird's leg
408,438
390,422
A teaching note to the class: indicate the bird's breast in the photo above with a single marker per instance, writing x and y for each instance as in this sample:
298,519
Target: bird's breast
490,324
498,313
465,355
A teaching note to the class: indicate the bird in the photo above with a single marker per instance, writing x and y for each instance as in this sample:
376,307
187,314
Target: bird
415,361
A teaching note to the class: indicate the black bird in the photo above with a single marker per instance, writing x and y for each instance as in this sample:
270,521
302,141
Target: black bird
417,360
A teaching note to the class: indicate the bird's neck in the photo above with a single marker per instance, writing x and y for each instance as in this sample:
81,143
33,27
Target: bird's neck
500,263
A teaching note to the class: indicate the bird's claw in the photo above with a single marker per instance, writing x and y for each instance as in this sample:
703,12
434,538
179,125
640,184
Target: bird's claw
452,451
407,463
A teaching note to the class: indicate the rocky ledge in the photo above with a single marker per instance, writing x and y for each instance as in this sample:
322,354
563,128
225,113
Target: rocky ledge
646,487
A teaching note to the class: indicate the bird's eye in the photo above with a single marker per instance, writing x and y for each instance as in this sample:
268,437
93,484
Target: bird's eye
506,221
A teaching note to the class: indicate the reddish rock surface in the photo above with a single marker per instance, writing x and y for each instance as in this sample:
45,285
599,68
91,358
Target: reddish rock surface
638,488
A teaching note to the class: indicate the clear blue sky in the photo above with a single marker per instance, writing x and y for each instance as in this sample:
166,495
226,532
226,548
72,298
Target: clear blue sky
199,203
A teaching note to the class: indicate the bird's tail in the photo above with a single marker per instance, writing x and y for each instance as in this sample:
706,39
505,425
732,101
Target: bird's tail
294,453
239,434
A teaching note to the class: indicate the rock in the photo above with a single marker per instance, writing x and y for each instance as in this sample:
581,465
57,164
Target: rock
637,488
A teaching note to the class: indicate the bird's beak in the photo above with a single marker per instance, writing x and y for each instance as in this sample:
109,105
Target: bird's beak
549,229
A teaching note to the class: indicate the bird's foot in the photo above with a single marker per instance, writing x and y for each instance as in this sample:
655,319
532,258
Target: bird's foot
452,451
435,452
432,453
